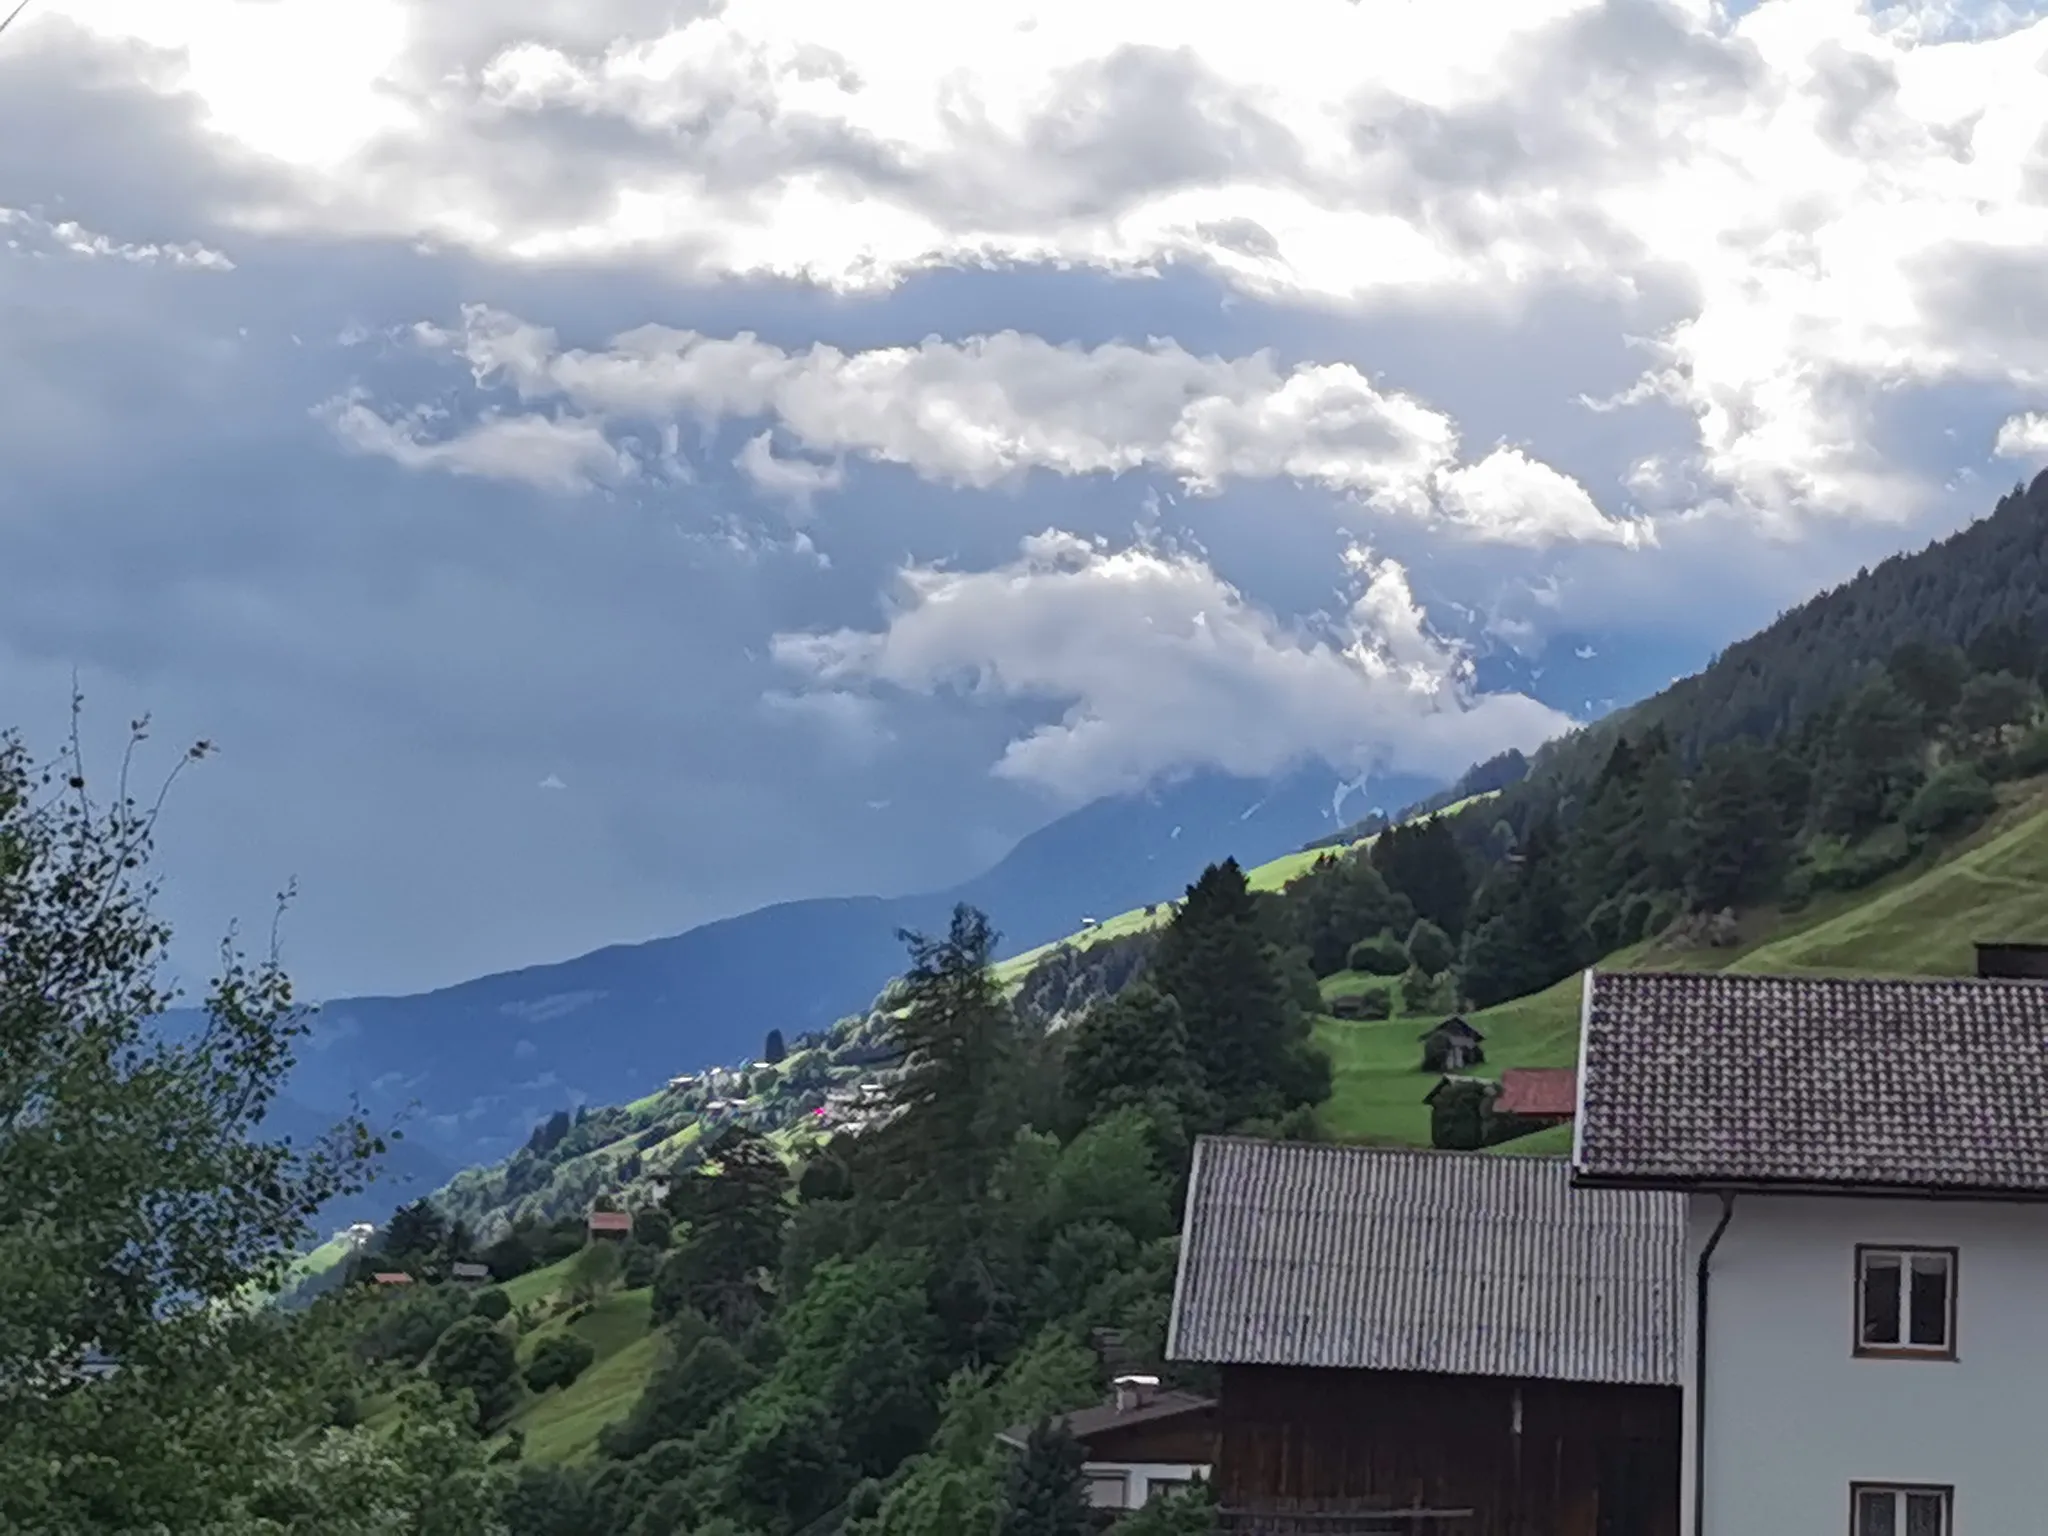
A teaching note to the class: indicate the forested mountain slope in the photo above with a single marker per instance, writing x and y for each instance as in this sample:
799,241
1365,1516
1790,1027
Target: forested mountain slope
816,1328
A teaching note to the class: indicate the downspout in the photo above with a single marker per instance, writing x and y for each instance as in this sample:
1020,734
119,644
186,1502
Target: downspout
1699,1369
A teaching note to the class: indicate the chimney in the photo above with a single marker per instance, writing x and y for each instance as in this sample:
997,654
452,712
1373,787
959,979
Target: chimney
2012,962
1135,1392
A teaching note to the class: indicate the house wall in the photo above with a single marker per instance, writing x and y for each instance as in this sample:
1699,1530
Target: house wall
1793,1417
1531,1458
1138,1478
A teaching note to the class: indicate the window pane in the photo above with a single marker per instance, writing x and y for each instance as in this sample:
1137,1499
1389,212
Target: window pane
1881,1298
1877,1513
1924,1513
1929,1320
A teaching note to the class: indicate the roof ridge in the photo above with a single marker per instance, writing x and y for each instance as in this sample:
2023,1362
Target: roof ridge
1237,1139
1761,977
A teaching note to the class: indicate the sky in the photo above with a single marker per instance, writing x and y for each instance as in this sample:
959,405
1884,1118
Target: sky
592,466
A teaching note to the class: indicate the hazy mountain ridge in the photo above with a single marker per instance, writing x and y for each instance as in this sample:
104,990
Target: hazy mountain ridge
472,1067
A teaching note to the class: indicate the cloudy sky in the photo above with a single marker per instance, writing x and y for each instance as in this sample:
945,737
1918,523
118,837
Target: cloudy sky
595,465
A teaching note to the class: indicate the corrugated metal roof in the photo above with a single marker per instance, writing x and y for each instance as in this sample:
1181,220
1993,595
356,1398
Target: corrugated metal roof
1458,1263
1867,1083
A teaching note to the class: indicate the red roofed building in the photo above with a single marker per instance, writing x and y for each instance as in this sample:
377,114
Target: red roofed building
1548,1094
391,1277
611,1224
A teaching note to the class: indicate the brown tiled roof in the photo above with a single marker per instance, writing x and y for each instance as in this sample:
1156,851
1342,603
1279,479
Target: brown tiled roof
610,1221
1538,1091
1397,1259
391,1277
1694,1079
1085,1422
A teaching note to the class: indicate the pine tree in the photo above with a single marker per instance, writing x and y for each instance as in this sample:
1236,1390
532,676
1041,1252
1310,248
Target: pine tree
1736,844
1248,1041
952,1110
1045,1496
773,1050
416,1233
733,1207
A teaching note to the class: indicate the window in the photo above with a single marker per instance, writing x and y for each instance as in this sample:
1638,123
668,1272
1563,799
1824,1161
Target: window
1107,1490
1906,1302
1900,1511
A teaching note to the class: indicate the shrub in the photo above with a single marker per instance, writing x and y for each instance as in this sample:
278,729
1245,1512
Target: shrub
1430,949
1955,797
1421,993
641,1266
492,1305
559,1360
1380,956
2029,755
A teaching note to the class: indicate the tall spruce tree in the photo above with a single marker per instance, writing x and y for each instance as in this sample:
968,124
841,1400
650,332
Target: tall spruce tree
1736,844
732,1207
951,1105
1423,862
1247,1039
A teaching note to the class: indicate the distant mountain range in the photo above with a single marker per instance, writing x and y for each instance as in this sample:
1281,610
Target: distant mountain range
468,1070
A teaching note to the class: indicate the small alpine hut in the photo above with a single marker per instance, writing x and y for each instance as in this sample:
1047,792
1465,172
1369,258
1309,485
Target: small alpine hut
614,1226
1448,1343
1452,1046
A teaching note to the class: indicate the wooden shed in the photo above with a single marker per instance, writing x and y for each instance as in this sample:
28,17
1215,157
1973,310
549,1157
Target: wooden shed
1452,1046
1450,1343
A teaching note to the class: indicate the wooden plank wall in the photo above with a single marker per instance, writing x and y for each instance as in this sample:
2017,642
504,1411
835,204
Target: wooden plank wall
1290,1436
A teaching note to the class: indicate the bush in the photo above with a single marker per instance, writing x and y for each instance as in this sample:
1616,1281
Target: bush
1955,797
1430,949
1422,993
1381,956
641,1266
559,1360
492,1305
2029,755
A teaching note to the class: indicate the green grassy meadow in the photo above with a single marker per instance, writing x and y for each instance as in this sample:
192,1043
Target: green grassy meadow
1920,921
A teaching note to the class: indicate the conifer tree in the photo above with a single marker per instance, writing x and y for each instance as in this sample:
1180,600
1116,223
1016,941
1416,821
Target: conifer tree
1045,1496
952,1110
1734,836
1248,1041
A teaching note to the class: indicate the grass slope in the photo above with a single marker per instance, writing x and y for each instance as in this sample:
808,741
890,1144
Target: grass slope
1270,876
1921,921
562,1424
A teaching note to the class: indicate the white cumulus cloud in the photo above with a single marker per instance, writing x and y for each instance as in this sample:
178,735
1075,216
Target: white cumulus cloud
979,412
1159,664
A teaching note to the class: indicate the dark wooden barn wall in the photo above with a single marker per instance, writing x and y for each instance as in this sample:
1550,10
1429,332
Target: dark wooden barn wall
1290,1436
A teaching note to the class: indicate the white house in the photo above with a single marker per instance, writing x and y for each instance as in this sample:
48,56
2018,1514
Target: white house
1866,1161
1141,1444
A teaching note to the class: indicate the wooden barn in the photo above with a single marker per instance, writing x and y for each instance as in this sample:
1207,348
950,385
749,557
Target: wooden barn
1448,1343
1452,1046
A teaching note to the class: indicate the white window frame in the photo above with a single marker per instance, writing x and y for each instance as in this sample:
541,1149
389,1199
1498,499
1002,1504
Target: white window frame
1900,1492
1904,1256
